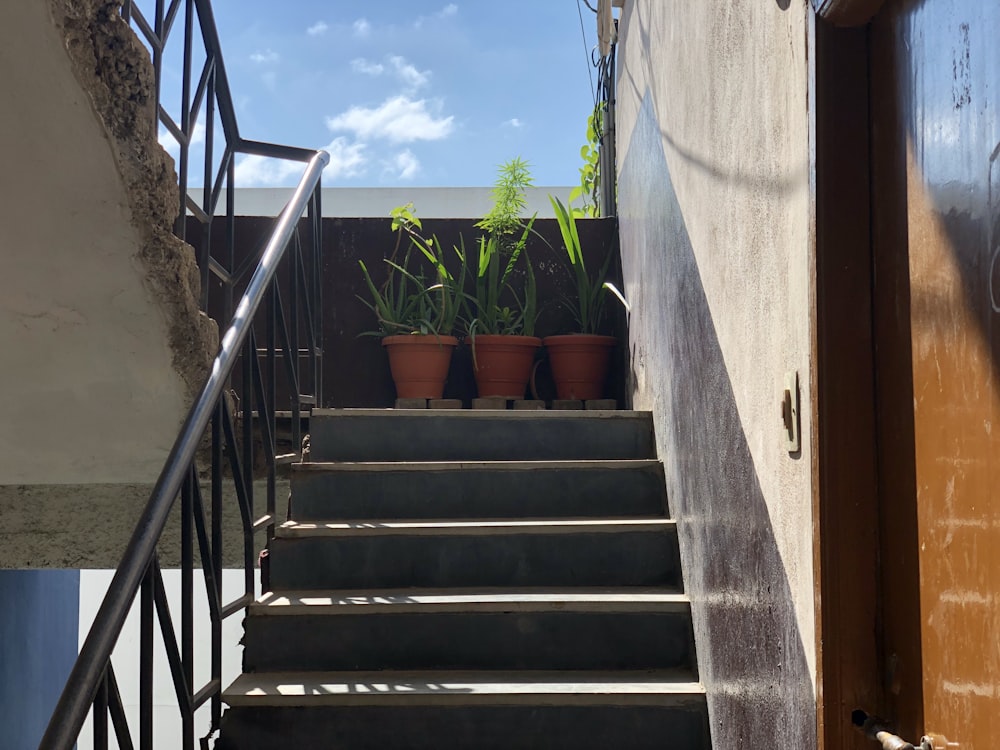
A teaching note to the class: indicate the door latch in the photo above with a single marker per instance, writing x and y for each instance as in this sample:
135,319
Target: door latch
877,729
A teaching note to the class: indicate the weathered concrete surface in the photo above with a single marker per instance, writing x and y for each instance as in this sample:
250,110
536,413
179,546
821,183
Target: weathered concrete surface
716,229
99,324
114,69
88,526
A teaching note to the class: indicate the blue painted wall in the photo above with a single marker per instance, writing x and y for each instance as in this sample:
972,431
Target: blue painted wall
39,624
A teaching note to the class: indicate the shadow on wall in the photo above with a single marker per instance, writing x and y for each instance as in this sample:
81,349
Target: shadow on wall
750,650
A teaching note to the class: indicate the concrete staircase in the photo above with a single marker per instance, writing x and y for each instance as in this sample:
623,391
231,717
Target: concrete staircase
467,579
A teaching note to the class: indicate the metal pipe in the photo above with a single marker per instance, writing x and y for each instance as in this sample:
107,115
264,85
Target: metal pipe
609,177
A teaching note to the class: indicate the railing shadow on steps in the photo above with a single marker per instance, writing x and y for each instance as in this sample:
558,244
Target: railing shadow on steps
286,261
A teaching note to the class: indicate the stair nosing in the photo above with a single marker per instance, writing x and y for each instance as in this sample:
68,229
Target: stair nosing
476,527
517,465
583,414
471,600
458,688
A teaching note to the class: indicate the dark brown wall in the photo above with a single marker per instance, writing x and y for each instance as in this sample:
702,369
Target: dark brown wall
356,371
846,524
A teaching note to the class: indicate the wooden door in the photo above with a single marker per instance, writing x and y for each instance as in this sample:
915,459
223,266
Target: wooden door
935,108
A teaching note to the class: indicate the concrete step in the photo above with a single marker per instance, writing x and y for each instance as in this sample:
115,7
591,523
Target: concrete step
478,489
413,629
480,553
465,435
451,710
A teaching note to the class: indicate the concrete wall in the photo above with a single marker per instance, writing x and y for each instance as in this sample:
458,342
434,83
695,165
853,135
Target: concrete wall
716,231
99,326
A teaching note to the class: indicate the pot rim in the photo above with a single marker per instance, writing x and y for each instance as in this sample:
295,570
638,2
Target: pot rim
418,338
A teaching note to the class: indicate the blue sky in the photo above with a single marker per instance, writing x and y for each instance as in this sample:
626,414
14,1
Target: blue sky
415,92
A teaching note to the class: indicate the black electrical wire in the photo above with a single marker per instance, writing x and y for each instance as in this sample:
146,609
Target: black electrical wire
583,33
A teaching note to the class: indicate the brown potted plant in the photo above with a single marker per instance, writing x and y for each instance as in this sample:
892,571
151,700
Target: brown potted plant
499,313
416,313
581,360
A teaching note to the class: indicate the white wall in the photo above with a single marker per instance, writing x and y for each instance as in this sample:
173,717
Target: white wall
166,718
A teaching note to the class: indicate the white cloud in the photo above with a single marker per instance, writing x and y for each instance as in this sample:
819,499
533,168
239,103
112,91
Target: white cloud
362,27
257,171
405,165
346,160
410,75
448,11
513,122
361,65
268,56
317,28
398,119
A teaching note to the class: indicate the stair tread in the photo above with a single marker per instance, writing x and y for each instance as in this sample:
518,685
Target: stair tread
493,414
382,466
603,599
483,526
653,687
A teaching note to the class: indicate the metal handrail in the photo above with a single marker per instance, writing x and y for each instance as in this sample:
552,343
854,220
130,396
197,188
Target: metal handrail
92,681
83,682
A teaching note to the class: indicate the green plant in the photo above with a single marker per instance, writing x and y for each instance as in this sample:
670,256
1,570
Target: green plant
407,302
590,152
509,201
591,291
485,311
495,305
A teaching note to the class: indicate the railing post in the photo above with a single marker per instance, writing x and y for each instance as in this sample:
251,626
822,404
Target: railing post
146,659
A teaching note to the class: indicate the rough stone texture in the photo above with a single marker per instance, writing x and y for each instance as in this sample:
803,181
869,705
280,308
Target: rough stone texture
115,71
98,534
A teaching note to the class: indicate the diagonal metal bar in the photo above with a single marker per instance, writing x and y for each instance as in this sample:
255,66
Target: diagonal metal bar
175,130
169,637
235,466
205,549
263,406
202,88
151,36
168,20
117,710
210,35
224,169
286,344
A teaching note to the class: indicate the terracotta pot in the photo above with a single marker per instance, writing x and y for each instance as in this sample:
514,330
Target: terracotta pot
580,364
502,364
419,364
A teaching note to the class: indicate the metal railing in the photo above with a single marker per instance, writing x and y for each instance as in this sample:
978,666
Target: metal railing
290,260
